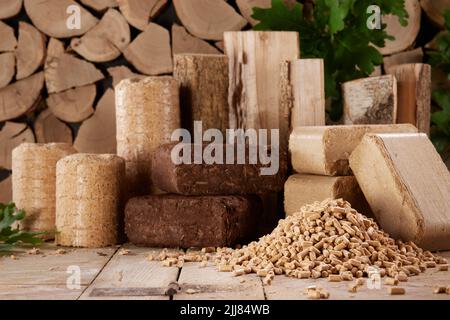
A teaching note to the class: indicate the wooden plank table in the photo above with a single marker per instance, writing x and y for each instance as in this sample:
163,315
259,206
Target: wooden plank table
127,273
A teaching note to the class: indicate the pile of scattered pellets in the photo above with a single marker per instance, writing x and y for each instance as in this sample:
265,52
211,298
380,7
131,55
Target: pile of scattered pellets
326,239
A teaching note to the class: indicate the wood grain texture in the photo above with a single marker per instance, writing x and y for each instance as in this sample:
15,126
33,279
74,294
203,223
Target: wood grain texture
302,88
120,73
6,190
48,128
12,135
410,56
30,52
140,12
9,41
100,5
203,82
8,67
414,94
10,8
208,19
183,42
132,276
407,185
254,60
370,100
434,10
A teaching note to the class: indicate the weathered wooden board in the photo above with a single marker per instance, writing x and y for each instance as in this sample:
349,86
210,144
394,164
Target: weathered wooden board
132,276
39,292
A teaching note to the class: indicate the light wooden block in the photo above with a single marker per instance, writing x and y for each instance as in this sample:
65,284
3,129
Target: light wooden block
303,91
324,150
407,186
414,94
303,189
370,100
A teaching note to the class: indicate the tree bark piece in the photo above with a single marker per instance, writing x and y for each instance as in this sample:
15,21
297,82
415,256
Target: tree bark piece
154,42
411,56
120,73
98,133
303,92
435,9
50,17
17,98
203,89
148,111
105,41
404,36
6,190
370,100
73,105
9,41
100,5
30,53
208,19
7,67
254,71
10,8
304,189
63,71
89,200
12,135
140,12
414,94
324,150
246,8
183,42
48,128
407,185
34,183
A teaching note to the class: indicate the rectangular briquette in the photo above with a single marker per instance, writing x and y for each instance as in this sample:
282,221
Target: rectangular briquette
214,179
194,221
407,186
303,189
324,150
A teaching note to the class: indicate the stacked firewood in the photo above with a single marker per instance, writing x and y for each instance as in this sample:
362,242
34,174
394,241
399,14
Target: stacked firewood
60,59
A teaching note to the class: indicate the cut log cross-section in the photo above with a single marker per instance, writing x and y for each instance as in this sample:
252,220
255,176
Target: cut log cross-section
6,190
98,133
139,12
208,19
150,52
10,8
246,8
370,100
51,17
11,135
405,36
30,51
17,98
120,73
48,128
100,5
7,67
73,105
303,91
414,94
9,41
183,42
63,71
411,56
106,40
434,10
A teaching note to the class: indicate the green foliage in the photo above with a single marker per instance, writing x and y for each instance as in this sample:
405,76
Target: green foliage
440,131
10,236
336,32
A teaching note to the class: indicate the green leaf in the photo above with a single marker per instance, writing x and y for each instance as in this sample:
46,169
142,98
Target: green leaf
339,10
279,17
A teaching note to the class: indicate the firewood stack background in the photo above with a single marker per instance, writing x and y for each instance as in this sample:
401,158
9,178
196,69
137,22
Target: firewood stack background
57,84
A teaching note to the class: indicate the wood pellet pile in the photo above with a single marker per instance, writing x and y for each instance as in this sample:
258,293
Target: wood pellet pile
327,239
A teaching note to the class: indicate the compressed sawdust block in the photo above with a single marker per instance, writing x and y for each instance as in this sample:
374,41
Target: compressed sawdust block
216,178
325,150
34,183
371,100
191,221
303,189
147,112
407,186
89,200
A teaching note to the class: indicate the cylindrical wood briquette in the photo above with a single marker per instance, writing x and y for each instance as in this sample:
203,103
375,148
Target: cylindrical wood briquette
34,183
89,200
147,112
